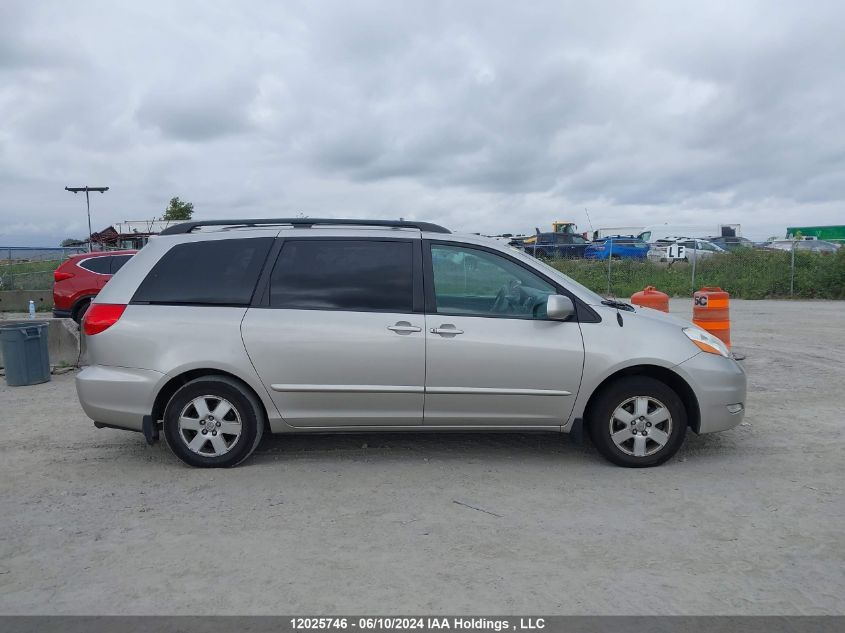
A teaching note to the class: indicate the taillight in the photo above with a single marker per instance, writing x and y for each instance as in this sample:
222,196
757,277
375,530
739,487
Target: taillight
60,275
101,316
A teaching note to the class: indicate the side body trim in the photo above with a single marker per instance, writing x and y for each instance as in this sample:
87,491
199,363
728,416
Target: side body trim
348,388
497,392
413,389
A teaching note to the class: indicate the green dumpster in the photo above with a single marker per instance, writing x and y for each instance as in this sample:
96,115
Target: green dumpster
25,353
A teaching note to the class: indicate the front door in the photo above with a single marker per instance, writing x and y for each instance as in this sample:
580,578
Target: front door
339,342
493,358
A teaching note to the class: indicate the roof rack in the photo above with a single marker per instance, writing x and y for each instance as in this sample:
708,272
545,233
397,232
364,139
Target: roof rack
188,227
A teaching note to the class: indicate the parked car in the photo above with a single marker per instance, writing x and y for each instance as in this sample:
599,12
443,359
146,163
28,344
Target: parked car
549,245
307,325
816,246
619,246
731,243
693,248
80,278
653,234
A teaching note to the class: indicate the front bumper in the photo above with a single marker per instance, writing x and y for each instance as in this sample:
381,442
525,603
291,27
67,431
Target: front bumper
720,385
117,397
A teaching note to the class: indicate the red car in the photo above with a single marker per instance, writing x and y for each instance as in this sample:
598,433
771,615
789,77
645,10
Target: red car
80,279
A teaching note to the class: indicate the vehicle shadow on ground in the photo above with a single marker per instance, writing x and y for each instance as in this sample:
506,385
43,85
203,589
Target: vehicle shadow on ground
457,447
461,446
423,445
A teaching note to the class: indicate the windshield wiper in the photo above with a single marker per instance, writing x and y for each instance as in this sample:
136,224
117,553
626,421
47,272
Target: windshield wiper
619,305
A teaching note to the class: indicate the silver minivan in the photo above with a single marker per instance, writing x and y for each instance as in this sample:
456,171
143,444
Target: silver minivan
218,332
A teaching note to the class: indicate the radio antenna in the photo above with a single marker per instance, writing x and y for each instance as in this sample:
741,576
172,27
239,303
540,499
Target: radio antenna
588,219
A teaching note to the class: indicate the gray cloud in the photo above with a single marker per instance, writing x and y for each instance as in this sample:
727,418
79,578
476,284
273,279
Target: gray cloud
198,113
479,115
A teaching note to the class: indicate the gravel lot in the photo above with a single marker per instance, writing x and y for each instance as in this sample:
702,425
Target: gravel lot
745,522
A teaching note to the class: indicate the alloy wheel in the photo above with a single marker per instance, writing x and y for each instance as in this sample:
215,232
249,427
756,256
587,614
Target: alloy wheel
209,426
640,426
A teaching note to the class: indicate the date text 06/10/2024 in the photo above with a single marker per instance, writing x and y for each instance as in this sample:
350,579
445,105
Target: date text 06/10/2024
415,624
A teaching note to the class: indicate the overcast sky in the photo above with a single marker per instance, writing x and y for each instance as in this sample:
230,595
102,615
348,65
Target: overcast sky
483,116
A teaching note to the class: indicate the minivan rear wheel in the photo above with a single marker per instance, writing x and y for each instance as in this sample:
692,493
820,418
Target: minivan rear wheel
638,422
213,422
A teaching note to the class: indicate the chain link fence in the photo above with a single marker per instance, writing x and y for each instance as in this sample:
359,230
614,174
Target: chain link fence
26,268
746,273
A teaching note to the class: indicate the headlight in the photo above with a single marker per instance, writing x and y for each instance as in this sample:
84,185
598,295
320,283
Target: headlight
706,342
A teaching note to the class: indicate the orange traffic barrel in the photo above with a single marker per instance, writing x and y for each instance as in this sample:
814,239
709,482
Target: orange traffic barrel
710,312
651,297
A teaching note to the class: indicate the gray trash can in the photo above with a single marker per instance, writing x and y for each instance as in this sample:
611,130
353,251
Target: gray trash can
25,353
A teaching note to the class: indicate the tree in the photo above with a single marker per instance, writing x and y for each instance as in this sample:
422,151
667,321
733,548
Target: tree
70,242
178,210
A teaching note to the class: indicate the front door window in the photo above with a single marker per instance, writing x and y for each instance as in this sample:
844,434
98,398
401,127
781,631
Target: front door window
473,282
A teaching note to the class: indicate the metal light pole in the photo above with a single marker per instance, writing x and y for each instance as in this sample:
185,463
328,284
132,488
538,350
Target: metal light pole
87,189
694,259
792,270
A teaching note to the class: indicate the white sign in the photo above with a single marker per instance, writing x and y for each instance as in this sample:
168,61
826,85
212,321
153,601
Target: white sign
676,251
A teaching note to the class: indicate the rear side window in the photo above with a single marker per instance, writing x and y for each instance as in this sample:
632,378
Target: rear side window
99,265
117,262
353,275
214,272
630,243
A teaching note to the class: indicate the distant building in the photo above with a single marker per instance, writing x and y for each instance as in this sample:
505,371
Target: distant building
128,234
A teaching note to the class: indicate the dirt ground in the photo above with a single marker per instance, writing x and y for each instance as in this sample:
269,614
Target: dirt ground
749,521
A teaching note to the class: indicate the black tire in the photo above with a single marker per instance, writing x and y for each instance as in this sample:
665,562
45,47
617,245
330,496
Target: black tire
80,310
540,254
247,409
622,391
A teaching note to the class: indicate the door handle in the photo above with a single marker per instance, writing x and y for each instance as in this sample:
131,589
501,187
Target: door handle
447,329
403,327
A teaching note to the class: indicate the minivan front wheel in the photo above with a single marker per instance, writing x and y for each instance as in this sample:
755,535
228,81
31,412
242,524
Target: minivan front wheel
213,422
638,422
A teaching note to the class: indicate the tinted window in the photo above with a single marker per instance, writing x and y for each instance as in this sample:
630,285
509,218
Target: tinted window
474,282
344,275
101,265
570,239
221,272
117,262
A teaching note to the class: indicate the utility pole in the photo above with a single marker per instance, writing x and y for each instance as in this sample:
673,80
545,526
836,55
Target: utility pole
87,189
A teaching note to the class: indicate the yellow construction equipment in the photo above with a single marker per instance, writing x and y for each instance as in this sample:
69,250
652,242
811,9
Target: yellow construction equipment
558,226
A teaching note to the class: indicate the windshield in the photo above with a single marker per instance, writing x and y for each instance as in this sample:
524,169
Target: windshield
581,290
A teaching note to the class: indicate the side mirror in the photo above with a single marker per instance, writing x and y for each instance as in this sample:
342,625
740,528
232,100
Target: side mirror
559,307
